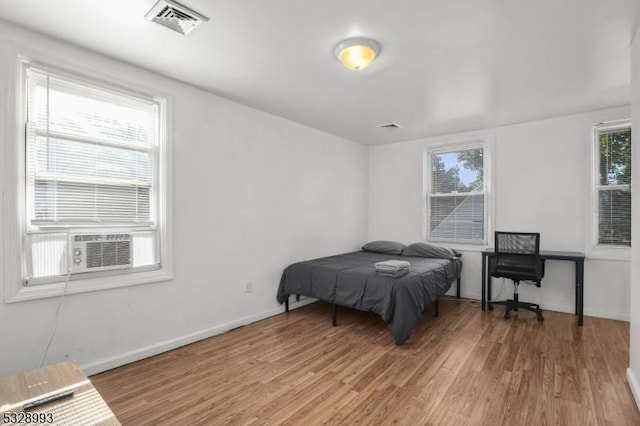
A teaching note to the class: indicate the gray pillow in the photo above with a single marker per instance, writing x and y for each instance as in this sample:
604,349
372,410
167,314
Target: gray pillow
387,247
431,251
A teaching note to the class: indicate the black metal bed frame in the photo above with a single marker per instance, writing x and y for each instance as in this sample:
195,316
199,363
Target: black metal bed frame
334,306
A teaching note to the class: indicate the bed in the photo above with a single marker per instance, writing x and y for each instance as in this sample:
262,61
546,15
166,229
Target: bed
350,280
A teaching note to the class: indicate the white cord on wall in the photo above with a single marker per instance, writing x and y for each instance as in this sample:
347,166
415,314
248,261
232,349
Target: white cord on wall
55,327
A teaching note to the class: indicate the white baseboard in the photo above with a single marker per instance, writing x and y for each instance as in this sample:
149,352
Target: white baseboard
467,296
634,385
167,345
565,309
608,315
587,312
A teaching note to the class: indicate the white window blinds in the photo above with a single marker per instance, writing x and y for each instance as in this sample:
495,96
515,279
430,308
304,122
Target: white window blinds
613,184
90,153
456,195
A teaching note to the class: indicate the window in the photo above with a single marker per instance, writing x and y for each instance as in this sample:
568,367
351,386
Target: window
612,184
457,194
92,167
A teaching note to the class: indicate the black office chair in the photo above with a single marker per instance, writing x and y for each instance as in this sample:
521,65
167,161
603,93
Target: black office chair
517,257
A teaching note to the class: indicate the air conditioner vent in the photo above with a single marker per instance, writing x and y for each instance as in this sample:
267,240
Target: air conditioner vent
175,16
390,126
100,252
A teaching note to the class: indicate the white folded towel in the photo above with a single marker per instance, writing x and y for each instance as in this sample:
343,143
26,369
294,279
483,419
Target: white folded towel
392,265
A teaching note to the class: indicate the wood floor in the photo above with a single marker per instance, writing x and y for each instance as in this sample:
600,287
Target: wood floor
465,367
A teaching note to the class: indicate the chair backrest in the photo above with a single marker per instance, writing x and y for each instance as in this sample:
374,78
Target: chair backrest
518,243
518,256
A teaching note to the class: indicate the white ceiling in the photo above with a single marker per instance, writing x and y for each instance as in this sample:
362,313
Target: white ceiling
446,65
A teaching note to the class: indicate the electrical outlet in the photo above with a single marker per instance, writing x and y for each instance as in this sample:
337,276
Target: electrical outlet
248,287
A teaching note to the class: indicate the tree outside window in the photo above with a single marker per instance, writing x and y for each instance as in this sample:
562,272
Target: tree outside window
613,186
456,196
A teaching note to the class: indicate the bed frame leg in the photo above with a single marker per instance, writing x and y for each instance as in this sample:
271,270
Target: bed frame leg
297,297
334,315
286,304
458,289
437,310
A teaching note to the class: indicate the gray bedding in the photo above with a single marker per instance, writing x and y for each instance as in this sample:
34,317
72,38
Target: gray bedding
350,280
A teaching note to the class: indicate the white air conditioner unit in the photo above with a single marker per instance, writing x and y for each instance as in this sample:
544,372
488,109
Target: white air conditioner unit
100,252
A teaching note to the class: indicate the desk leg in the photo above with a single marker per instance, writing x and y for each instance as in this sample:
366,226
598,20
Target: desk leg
578,281
580,289
458,289
484,281
489,297
577,286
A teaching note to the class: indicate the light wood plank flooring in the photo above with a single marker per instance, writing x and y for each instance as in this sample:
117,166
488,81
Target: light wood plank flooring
464,368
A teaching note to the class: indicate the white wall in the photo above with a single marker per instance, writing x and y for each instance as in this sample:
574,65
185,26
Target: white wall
252,193
542,184
274,192
633,374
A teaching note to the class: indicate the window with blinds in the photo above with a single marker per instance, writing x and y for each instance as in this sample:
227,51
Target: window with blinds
90,153
613,184
91,167
456,195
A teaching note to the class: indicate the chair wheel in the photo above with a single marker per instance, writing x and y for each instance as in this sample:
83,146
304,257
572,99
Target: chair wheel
540,318
490,307
507,316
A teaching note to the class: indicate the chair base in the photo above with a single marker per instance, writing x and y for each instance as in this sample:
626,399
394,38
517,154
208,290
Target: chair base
514,305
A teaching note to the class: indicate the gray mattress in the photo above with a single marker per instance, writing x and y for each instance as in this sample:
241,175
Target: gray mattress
350,280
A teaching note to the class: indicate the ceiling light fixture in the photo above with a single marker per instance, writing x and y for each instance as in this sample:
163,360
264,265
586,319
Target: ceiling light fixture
357,53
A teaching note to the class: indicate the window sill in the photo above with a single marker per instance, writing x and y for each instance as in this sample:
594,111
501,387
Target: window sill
460,246
470,248
85,285
621,254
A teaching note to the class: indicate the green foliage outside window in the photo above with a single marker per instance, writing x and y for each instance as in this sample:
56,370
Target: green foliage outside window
614,193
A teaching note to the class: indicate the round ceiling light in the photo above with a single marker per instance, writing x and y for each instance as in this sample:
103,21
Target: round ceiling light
357,53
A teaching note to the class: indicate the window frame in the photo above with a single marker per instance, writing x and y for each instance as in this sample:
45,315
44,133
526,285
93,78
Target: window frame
153,150
15,251
485,142
595,249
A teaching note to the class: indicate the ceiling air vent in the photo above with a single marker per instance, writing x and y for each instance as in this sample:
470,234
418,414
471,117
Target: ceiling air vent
175,16
390,126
